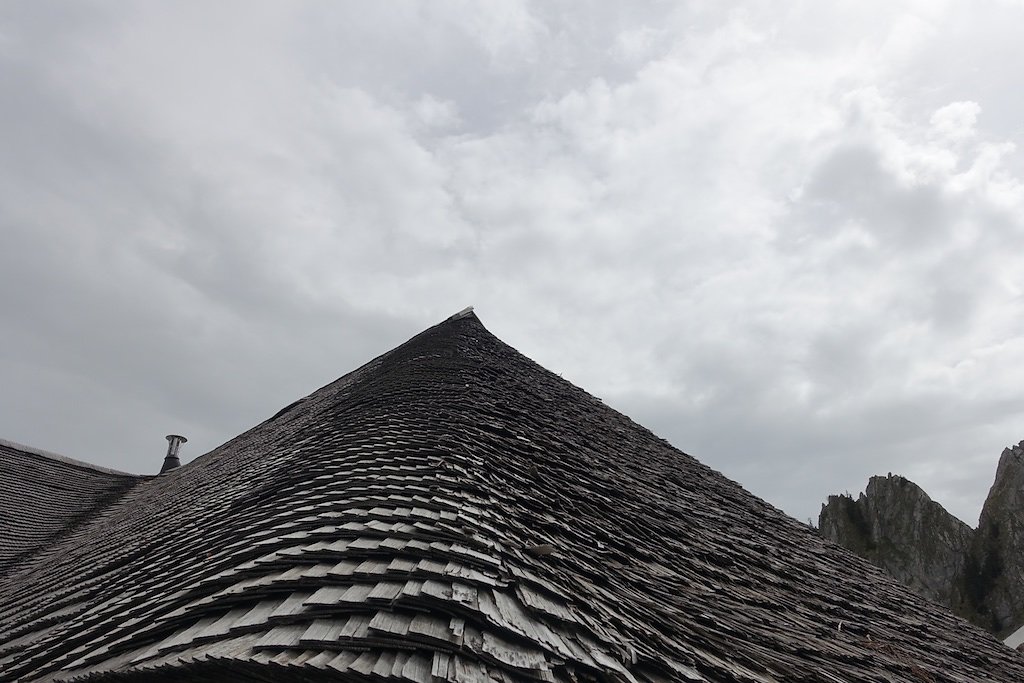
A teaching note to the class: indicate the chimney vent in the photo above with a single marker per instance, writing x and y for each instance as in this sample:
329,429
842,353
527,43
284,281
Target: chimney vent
171,461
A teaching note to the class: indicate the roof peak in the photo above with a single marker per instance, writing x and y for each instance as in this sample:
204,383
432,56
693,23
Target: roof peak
464,313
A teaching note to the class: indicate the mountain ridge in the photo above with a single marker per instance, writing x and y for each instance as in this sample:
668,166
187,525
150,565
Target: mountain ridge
976,573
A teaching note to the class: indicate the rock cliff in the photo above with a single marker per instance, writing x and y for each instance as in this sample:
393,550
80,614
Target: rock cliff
997,579
977,574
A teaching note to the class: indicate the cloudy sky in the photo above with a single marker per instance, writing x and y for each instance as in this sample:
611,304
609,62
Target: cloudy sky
785,236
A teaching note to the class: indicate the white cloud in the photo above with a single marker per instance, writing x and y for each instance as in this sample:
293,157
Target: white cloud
434,113
956,121
783,238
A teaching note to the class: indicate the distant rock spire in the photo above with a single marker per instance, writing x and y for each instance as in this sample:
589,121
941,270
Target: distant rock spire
979,574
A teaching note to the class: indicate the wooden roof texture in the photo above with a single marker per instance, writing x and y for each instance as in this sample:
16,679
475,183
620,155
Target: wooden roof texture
44,497
452,512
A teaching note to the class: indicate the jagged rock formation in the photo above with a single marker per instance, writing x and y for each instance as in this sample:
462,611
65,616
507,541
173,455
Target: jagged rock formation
898,527
997,584
977,574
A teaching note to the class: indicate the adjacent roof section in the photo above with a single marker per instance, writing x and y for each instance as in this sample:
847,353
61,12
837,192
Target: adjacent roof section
453,513
45,497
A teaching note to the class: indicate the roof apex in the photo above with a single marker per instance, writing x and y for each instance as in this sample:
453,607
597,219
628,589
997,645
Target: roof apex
466,312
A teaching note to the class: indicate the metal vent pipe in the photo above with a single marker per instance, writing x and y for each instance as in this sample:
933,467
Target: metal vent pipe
171,460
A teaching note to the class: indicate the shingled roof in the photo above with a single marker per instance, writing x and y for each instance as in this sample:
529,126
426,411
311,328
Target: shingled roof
45,496
452,512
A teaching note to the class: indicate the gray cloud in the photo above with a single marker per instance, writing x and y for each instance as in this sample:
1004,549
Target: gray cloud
782,239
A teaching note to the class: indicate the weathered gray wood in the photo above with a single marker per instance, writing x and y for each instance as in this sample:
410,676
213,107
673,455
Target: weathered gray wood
290,606
515,656
342,662
356,627
364,663
394,623
440,665
468,671
417,668
287,636
322,631
431,627
384,664
258,614
385,590
186,635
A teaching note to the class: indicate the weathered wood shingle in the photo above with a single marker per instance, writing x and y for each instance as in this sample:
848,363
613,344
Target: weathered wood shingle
44,497
453,512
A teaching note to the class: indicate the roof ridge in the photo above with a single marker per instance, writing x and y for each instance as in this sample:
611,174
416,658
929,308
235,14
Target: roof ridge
50,455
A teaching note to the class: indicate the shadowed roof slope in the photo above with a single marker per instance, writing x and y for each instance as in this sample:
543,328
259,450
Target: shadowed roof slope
453,512
44,496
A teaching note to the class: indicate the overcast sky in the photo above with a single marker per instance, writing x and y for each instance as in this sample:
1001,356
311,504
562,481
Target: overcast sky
785,236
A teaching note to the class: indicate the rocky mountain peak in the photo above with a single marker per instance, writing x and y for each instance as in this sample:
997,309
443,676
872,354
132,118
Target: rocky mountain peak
979,574
1008,487
898,527
997,580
